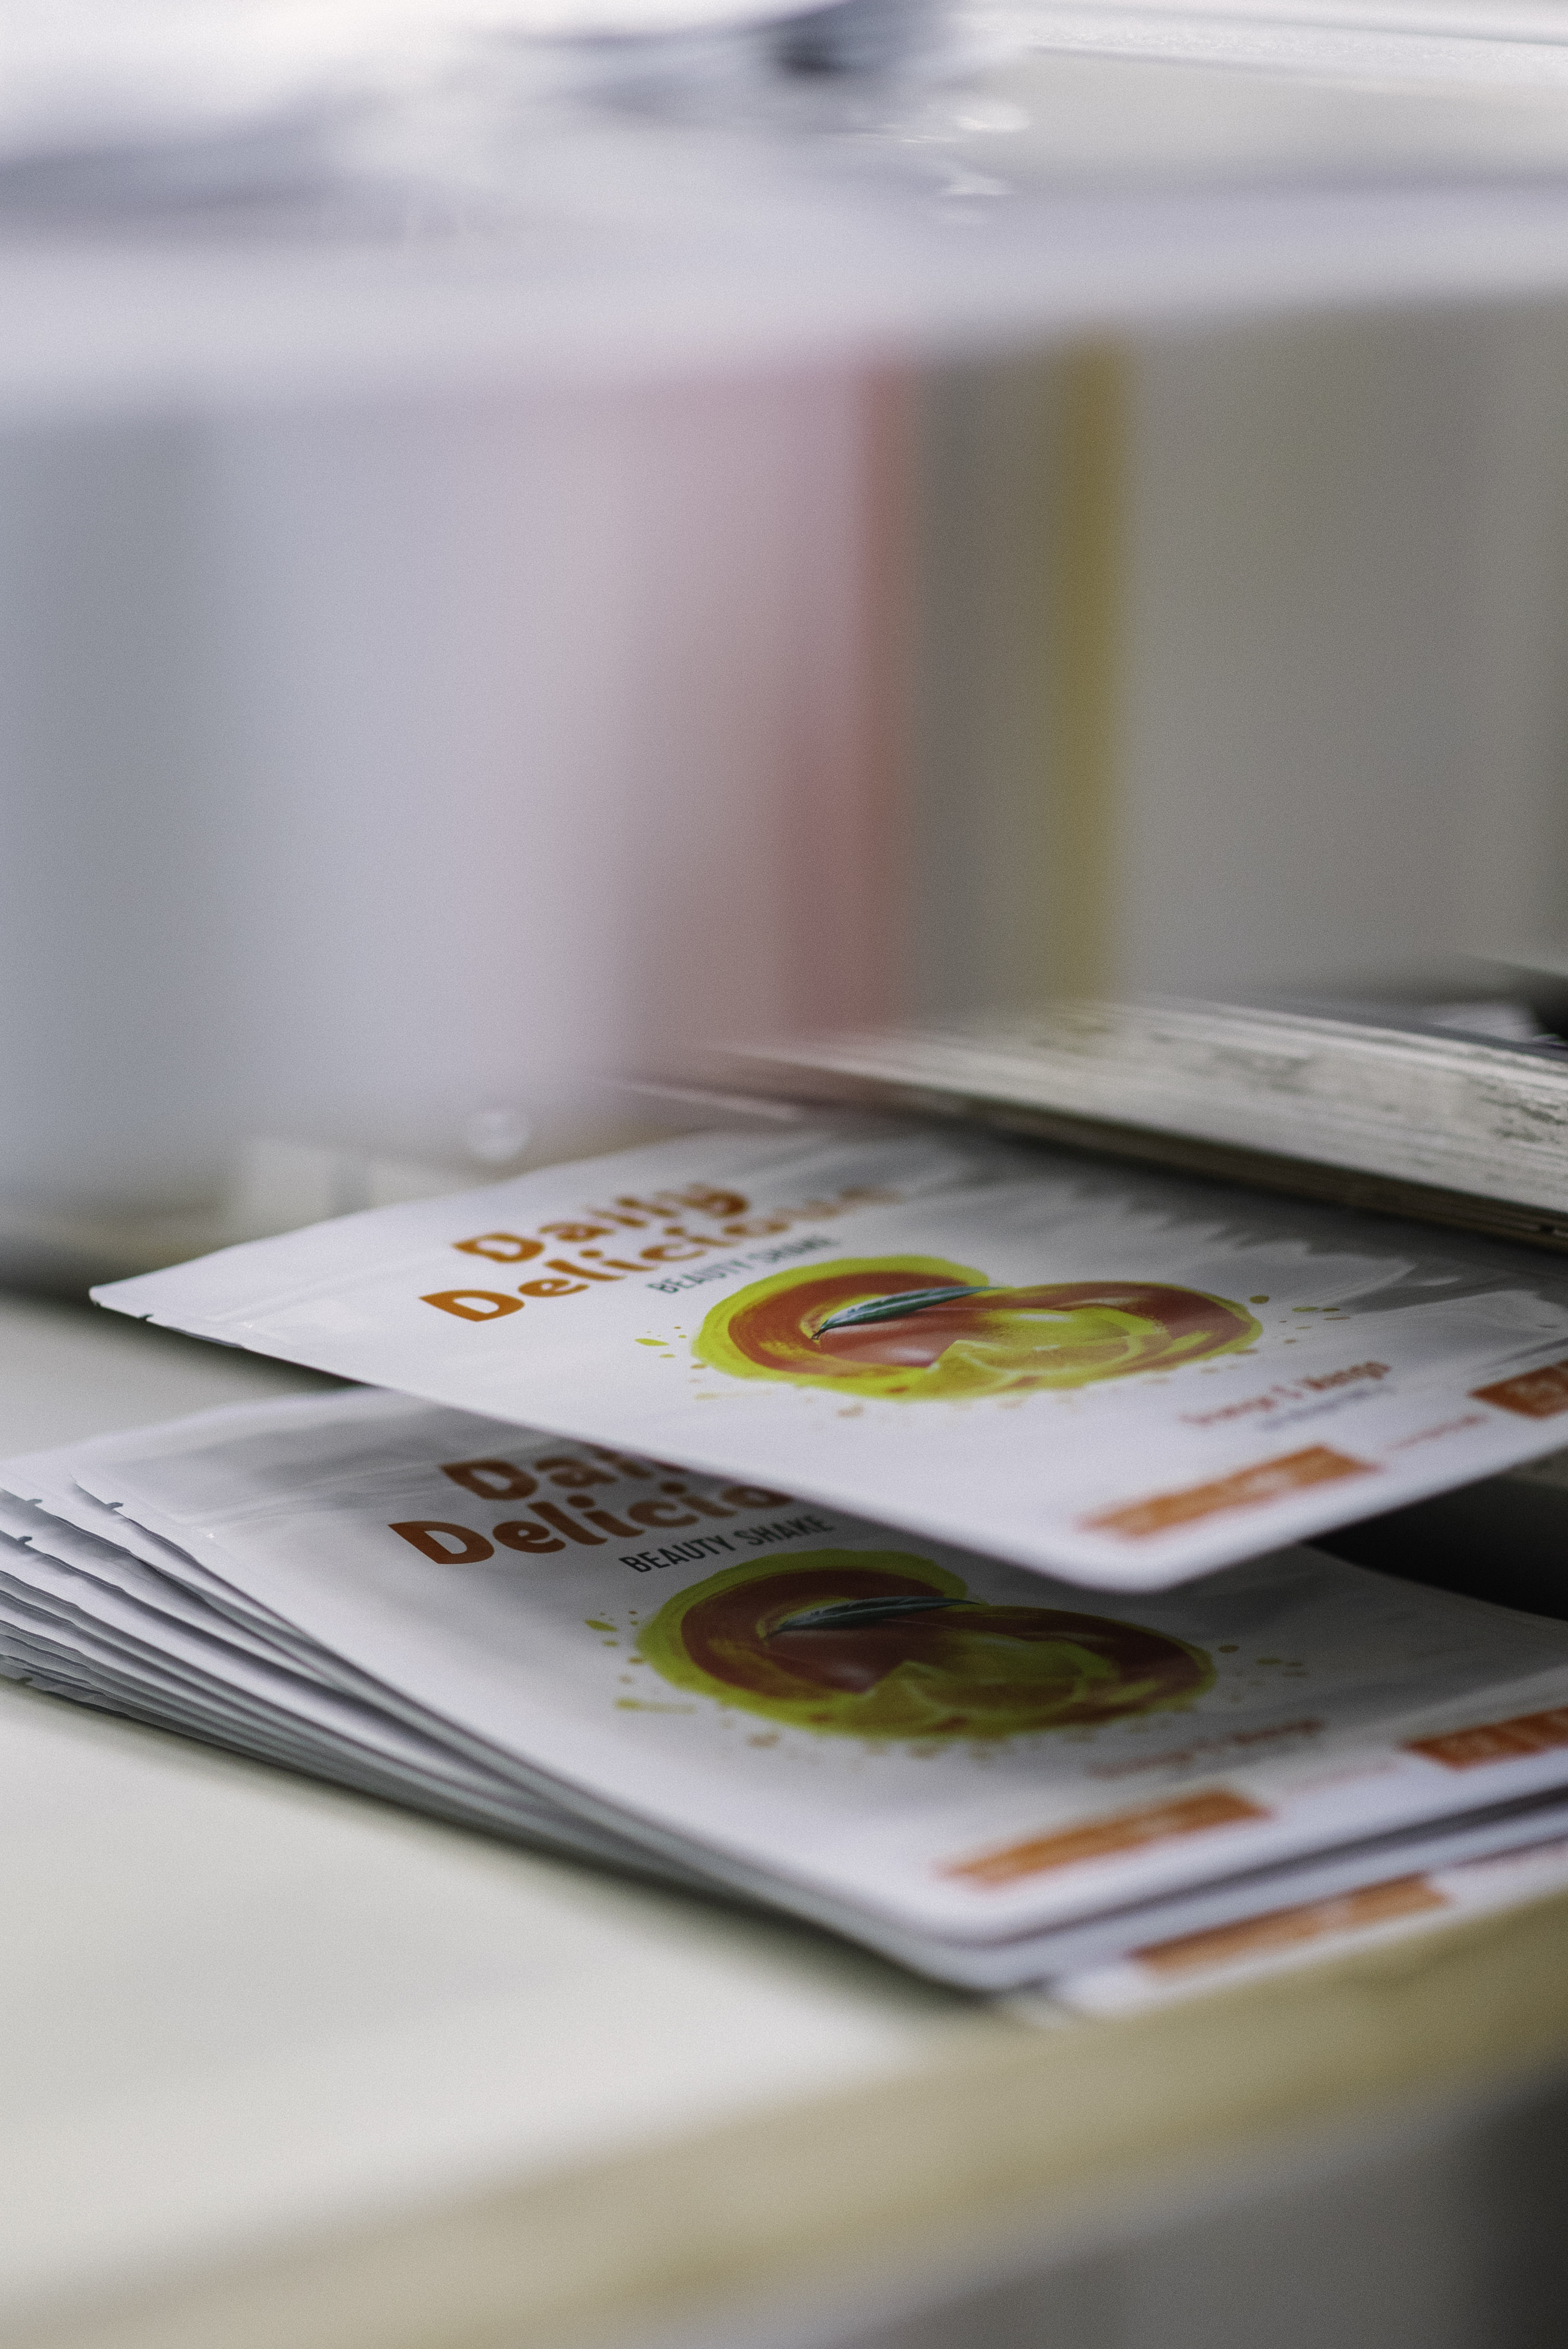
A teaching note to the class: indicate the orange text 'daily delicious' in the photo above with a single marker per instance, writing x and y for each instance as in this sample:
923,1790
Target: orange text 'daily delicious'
569,1504
631,1235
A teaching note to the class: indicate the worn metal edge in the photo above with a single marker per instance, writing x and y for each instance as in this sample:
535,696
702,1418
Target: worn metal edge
1317,1180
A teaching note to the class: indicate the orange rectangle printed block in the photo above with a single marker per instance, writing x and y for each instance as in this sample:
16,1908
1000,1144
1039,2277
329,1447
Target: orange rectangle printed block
1534,1394
1289,1928
1101,1839
1495,1741
1247,1488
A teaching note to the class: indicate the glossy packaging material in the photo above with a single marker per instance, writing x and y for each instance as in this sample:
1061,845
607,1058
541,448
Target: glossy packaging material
1125,1378
978,1772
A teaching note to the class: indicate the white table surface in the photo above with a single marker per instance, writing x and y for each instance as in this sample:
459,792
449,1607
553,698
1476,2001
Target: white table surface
242,2008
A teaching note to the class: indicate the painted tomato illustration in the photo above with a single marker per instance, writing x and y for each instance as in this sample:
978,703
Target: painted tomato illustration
922,1327
881,1644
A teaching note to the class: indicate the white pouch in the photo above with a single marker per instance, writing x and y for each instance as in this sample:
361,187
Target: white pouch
974,1769
1125,1378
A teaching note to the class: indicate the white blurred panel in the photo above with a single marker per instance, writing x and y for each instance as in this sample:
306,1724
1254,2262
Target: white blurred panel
1244,658
376,764
117,981
1304,651
1516,799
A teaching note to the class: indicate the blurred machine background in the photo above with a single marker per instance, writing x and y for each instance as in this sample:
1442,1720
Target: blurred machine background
528,550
